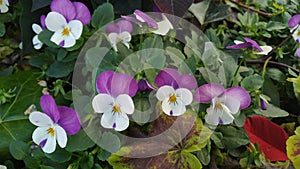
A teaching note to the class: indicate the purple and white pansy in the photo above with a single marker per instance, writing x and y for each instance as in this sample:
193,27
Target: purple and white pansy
174,91
119,32
262,50
37,44
4,4
294,24
225,102
141,18
54,124
66,20
115,99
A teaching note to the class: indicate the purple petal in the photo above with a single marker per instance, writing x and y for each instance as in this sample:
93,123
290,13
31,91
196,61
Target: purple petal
82,13
64,7
42,20
144,85
69,120
42,143
112,28
123,84
239,46
168,77
148,20
295,20
207,92
125,26
263,104
187,81
49,107
131,19
103,83
253,44
240,94
298,53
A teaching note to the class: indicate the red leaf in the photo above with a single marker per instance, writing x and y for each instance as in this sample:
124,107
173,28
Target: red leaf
175,7
270,137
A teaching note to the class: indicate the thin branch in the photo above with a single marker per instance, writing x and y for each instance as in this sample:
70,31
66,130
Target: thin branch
267,15
273,63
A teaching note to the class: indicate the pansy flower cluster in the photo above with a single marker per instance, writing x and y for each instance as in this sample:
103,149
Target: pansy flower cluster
294,25
174,90
66,21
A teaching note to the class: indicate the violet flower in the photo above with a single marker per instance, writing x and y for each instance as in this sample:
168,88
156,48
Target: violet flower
174,91
294,24
141,18
114,99
54,124
264,101
144,85
225,103
4,4
263,50
37,44
119,32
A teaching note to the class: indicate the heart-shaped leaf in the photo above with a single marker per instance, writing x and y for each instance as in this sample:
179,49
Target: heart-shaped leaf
175,7
293,148
270,137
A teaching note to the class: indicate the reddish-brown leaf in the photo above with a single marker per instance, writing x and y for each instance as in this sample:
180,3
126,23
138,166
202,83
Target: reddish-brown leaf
175,7
270,137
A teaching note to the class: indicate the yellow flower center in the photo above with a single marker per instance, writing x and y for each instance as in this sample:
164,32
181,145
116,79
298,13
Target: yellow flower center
66,31
120,39
116,109
218,106
297,33
51,131
173,98
1,2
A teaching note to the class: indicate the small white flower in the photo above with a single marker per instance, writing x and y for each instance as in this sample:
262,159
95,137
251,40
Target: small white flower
65,34
163,26
37,44
174,101
47,132
296,34
221,110
123,37
4,6
265,49
114,110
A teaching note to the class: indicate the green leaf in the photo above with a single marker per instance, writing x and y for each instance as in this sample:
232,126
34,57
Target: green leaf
59,155
275,26
110,142
252,82
31,162
217,138
103,15
153,42
45,37
41,59
276,74
103,155
2,29
199,10
204,154
94,56
61,54
60,69
87,162
216,13
19,150
233,137
12,118
272,111
79,142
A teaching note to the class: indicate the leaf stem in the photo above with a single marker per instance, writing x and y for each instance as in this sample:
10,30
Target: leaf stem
265,66
238,68
267,15
273,63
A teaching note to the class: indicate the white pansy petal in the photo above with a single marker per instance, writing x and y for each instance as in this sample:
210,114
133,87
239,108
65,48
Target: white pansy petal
40,119
57,37
139,18
126,36
238,42
36,28
55,21
113,38
295,34
61,136
185,95
126,44
126,104
226,118
3,8
102,103
166,107
178,108
69,41
164,92
266,50
50,145
163,26
6,2
108,119
122,122
39,134
231,103
75,28
37,44
213,116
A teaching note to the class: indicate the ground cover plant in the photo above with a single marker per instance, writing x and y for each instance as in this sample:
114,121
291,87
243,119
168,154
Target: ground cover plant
149,84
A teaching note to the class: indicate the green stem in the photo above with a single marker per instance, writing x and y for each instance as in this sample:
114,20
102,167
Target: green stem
238,68
265,66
